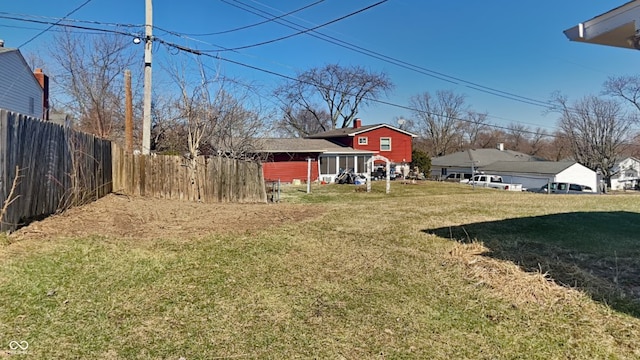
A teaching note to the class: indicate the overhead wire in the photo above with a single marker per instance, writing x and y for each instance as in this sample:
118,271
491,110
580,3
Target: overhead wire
305,30
80,27
416,68
274,73
52,25
259,23
51,30
395,61
65,19
203,52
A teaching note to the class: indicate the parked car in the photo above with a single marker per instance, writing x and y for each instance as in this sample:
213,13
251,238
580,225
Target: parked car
493,181
564,188
458,177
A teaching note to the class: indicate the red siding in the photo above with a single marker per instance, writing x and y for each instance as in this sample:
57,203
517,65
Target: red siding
401,144
287,168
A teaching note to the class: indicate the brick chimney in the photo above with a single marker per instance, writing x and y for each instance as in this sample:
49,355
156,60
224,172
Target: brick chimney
357,123
44,83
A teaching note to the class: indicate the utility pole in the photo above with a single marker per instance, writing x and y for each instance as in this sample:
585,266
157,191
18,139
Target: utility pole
148,46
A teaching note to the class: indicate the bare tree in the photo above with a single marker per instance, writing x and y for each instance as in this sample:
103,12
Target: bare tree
91,78
517,137
168,130
341,90
538,142
597,130
300,122
473,129
215,114
626,88
439,119
560,147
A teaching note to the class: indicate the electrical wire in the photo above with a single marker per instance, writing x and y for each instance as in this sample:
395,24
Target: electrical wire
306,30
403,64
70,20
204,52
70,26
330,39
261,22
51,30
270,72
398,62
52,25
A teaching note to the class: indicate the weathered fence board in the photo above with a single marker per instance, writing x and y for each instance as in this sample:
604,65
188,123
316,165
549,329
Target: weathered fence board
217,179
56,168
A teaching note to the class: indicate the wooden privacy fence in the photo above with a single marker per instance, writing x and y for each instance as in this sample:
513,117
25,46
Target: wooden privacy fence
53,167
215,179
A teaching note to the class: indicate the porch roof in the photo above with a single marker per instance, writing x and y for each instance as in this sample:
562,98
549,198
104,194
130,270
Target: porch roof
300,145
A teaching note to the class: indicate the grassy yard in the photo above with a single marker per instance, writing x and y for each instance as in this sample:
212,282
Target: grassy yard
430,271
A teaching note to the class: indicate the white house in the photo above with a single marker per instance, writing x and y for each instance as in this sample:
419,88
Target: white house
21,90
514,167
626,174
535,174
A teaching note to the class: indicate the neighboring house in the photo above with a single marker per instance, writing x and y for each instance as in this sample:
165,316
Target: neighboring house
381,139
514,167
21,90
289,160
465,161
626,174
535,174
327,154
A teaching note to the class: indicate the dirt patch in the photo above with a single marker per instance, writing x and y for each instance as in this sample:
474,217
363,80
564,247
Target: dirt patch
136,217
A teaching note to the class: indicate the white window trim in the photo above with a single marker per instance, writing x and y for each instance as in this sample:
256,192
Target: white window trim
381,149
363,140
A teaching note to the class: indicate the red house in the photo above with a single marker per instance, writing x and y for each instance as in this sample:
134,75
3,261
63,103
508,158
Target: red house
381,139
327,154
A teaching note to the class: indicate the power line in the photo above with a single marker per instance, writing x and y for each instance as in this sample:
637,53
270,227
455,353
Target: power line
201,52
398,62
305,30
69,26
327,38
416,68
34,28
52,25
270,72
70,20
261,22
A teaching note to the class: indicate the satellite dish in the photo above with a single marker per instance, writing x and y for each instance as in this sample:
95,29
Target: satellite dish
401,122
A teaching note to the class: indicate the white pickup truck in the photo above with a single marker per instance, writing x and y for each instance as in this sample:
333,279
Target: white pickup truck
493,181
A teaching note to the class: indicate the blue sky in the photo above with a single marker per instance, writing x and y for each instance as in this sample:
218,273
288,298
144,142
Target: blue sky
513,46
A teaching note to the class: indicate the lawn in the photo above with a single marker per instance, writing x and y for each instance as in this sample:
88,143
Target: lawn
429,271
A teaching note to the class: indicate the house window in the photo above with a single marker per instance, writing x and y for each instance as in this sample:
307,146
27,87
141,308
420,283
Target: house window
346,162
32,106
385,144
361,164
363,140
327,165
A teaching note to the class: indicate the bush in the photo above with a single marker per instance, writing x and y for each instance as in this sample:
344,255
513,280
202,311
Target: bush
422,161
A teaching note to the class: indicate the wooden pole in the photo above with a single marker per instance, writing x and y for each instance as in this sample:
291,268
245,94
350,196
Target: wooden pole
148,46
128,113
